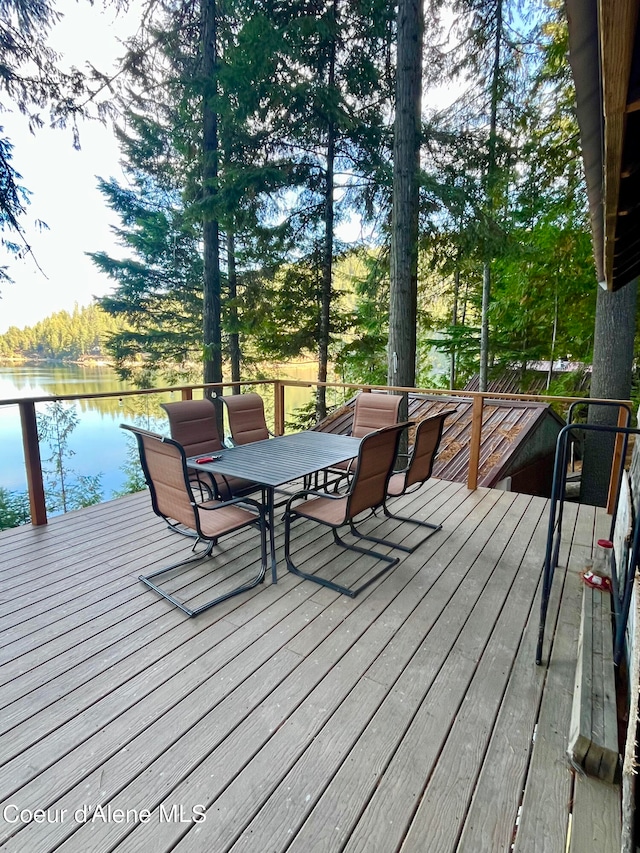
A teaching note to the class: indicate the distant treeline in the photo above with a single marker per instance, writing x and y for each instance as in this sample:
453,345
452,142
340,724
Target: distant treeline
63,336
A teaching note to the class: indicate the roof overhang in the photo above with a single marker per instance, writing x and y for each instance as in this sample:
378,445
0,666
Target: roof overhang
604,52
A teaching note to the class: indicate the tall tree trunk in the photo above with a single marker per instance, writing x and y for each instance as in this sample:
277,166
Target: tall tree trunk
234,336
465,301
490,189
404,223
554,334
611,378
327,259
211,327
454,324
484,326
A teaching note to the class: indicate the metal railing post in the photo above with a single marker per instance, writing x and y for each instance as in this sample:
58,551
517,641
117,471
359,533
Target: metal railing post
33,463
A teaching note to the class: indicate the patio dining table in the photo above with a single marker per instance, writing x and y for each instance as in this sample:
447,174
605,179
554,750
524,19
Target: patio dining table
274,462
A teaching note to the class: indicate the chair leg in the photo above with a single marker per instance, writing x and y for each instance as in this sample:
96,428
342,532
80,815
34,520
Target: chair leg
190,534
147,579
433,528
345,590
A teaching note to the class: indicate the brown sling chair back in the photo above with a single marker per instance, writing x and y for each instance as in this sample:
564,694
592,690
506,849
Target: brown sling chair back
428,434
247,422
193,424
372,411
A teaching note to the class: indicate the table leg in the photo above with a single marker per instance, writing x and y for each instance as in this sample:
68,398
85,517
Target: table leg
268,497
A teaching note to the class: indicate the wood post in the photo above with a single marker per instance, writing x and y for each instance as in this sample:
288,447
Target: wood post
187,394
623,417
33,464
474,444
278,407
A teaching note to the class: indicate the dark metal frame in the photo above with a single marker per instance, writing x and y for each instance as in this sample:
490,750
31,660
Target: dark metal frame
621,603
414,488
198,534
433,528
290,514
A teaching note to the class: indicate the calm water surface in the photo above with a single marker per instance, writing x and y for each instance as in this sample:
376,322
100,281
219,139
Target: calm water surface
99,446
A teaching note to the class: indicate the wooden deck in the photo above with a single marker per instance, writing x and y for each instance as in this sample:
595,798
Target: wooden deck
291,718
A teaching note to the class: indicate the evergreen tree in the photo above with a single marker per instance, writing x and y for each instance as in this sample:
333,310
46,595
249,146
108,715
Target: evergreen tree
406,165
158,295
545,296
61,336
65,489
495,59
333,131
533,226
284,75
14,509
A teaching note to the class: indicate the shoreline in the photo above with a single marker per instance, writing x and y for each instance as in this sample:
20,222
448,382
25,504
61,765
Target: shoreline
90,361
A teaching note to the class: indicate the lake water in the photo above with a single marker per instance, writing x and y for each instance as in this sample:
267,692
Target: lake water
99,446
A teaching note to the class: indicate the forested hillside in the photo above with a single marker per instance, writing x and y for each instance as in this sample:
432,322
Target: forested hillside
62,336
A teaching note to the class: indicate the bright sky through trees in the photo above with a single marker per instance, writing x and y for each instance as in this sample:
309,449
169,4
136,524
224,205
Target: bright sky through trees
63,184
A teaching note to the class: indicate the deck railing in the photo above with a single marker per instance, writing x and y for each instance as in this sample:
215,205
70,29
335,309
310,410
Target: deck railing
33,463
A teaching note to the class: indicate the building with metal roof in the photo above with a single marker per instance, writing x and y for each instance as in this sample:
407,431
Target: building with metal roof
518,440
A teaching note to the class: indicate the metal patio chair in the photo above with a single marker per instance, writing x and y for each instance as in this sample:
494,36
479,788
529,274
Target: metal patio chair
428,433
247,421
193,424
367,491
164,464
372,411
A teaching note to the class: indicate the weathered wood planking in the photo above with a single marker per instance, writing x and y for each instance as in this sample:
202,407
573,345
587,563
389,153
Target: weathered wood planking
595,824
548,788
416,656
254,629
442,811
301,719
593,733
493,811
273,760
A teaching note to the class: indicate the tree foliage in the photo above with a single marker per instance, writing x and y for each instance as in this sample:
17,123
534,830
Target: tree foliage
62,336
302,97
34,81
300,127
531,221
65,489
14,508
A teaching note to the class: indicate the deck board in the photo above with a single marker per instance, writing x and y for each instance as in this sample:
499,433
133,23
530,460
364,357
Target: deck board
493,812
549,789
450,789
299,719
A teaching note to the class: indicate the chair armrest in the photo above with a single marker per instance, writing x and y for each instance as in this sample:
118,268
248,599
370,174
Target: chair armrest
234,502
304,494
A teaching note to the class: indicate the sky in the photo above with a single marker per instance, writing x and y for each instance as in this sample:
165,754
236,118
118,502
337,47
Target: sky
63,185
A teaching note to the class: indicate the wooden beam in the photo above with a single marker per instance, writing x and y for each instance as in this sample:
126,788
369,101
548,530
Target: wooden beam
623,418
618,21
278,407
33,464
475,441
